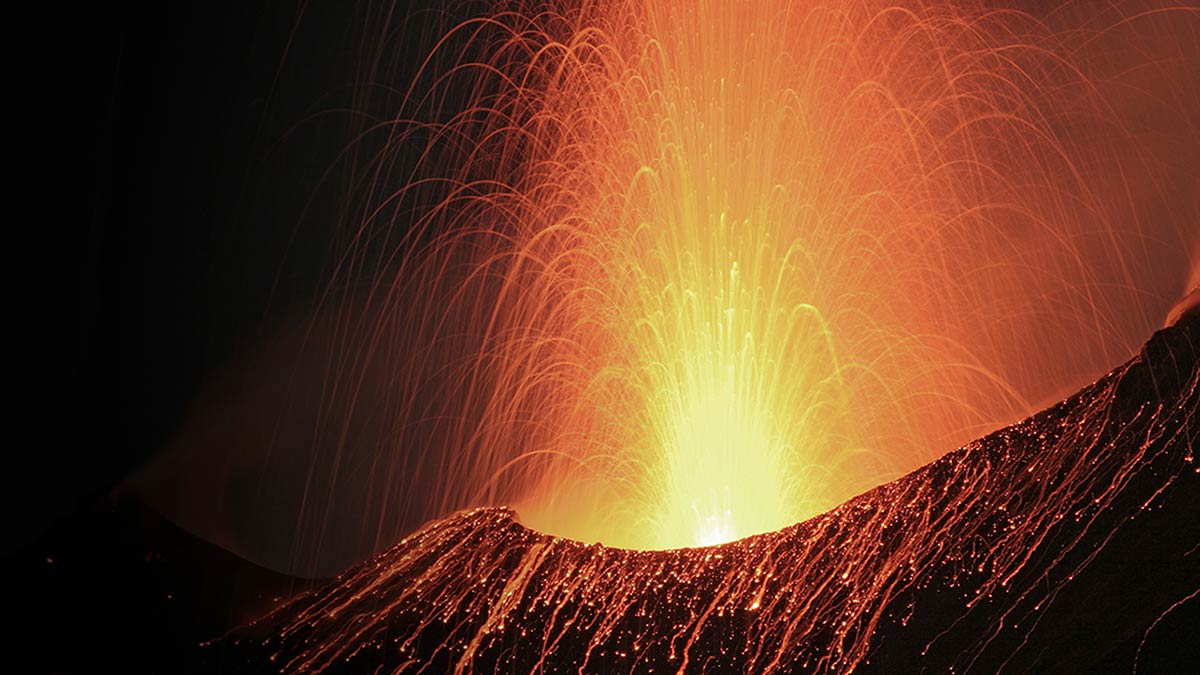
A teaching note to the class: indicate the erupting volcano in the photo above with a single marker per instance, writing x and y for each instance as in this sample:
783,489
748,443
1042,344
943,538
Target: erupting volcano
647,324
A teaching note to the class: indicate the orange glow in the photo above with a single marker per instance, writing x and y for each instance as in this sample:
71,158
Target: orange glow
699,270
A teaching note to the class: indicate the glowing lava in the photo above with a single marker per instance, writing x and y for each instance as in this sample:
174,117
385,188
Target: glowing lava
728,264
666,273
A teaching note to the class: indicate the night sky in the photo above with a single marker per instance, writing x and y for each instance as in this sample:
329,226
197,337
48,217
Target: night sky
172,179
159,221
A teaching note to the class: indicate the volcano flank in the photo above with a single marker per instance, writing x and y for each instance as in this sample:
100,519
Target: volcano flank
1064,543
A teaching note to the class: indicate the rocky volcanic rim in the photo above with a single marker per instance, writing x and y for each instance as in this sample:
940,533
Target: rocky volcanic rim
1011,552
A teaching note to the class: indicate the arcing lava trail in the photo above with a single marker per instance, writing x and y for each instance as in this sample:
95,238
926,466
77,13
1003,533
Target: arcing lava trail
1040,546
668,273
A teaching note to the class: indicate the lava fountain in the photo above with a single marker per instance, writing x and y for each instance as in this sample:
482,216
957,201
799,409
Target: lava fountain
667,273
696,271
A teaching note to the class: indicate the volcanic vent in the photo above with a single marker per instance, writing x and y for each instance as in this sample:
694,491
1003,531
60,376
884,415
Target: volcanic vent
1046,545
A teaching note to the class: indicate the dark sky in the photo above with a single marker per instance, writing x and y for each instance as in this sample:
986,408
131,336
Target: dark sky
156,243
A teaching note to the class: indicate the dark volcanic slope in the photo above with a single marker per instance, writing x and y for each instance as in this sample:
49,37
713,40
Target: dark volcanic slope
1067,542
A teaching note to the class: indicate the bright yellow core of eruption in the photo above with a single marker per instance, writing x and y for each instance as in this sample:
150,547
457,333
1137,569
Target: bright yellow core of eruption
724,472
724,475
763,255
